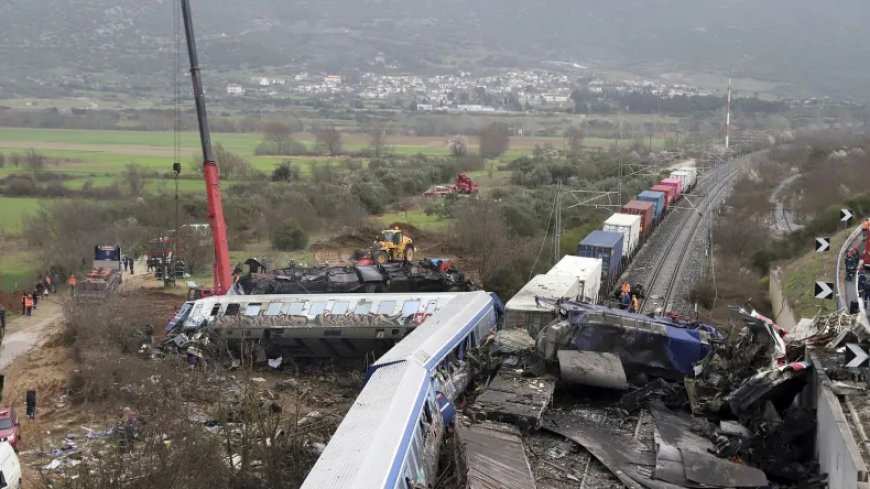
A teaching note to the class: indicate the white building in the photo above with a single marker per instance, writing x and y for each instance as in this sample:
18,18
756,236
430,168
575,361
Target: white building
235,89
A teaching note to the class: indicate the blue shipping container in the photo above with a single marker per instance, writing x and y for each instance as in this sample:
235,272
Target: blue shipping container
607,246
658,198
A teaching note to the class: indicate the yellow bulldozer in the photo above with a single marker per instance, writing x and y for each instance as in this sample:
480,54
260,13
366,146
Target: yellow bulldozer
392,245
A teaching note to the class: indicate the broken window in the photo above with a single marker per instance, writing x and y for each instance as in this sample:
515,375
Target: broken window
363,308
317,308
232,310
339,308
386,307
215,310
274,309
410,308
295,308
253,309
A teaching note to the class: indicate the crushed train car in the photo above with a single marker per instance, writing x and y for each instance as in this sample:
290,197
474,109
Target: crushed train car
645,345
429,275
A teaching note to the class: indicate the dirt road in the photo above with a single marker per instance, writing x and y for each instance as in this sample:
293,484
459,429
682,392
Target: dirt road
25,333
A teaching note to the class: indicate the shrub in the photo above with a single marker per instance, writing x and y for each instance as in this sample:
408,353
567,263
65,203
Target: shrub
286,172
289,237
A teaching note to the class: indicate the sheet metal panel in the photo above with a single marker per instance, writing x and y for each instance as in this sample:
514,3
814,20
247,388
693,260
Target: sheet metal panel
494,457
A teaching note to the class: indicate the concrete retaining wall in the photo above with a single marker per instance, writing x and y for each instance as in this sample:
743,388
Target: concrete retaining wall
836,450
782,312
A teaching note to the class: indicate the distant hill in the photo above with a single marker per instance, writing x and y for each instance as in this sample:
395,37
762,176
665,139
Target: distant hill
816,46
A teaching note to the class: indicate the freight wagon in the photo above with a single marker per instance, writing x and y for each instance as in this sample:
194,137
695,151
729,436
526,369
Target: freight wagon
676,184
644,210
606,246
658,200
670,194
629,225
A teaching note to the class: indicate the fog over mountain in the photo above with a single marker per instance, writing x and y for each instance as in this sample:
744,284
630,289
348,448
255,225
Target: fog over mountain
818,47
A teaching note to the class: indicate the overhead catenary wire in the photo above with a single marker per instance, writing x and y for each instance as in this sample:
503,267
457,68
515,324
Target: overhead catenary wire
546,236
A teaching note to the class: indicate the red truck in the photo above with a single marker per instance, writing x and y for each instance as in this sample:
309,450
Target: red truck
463,185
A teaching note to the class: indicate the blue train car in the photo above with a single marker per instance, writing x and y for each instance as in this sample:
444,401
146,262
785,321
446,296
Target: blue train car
657,198
606,246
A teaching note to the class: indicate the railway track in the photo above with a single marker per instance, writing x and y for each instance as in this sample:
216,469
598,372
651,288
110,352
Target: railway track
666,274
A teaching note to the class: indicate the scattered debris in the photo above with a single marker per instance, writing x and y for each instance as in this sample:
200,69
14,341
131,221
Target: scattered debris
512,398
491,456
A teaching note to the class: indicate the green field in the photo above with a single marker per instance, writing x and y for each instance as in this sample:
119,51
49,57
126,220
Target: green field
12,209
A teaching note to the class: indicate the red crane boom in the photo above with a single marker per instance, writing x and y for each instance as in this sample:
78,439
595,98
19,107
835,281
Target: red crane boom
221,268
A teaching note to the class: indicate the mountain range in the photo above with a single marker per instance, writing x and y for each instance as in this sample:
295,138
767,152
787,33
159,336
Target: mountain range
811,46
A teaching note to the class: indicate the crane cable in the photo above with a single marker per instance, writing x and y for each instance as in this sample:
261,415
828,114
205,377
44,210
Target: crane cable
176,114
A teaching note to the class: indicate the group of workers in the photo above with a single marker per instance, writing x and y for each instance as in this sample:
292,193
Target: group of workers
628,301
47,285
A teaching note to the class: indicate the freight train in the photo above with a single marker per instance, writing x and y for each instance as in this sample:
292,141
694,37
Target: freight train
624,232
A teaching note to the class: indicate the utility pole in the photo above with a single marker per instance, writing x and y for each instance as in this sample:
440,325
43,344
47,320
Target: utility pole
728,119
557,231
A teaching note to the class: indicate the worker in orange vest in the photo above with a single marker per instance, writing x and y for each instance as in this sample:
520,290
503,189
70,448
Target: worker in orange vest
865,226
72,282
26,305
626,288
635,304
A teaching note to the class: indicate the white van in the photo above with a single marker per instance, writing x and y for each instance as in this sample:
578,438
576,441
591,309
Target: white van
10,468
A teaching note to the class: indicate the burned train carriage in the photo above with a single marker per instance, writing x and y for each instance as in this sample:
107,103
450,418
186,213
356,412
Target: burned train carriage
328,325
429,275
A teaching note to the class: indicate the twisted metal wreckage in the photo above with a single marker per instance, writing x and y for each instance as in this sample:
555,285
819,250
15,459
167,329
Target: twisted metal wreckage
727,409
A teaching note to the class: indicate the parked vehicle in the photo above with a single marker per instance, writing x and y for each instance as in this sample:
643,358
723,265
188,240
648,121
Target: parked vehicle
10,467
106,273
463,185
10,427
393,245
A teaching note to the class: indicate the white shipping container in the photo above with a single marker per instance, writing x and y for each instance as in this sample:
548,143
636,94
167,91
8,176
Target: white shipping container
587,271
629,226
683,177
522,310
693,173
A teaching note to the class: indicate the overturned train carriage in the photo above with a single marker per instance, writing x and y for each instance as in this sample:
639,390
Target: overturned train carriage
328,325
419,276
391,438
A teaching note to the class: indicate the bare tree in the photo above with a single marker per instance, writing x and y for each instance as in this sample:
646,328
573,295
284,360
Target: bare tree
458,145
275,131
377,132
485,239
574,139
134,178
328,140
35,161
494,140
231,165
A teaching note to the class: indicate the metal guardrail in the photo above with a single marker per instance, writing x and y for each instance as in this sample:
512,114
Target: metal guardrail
841,300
